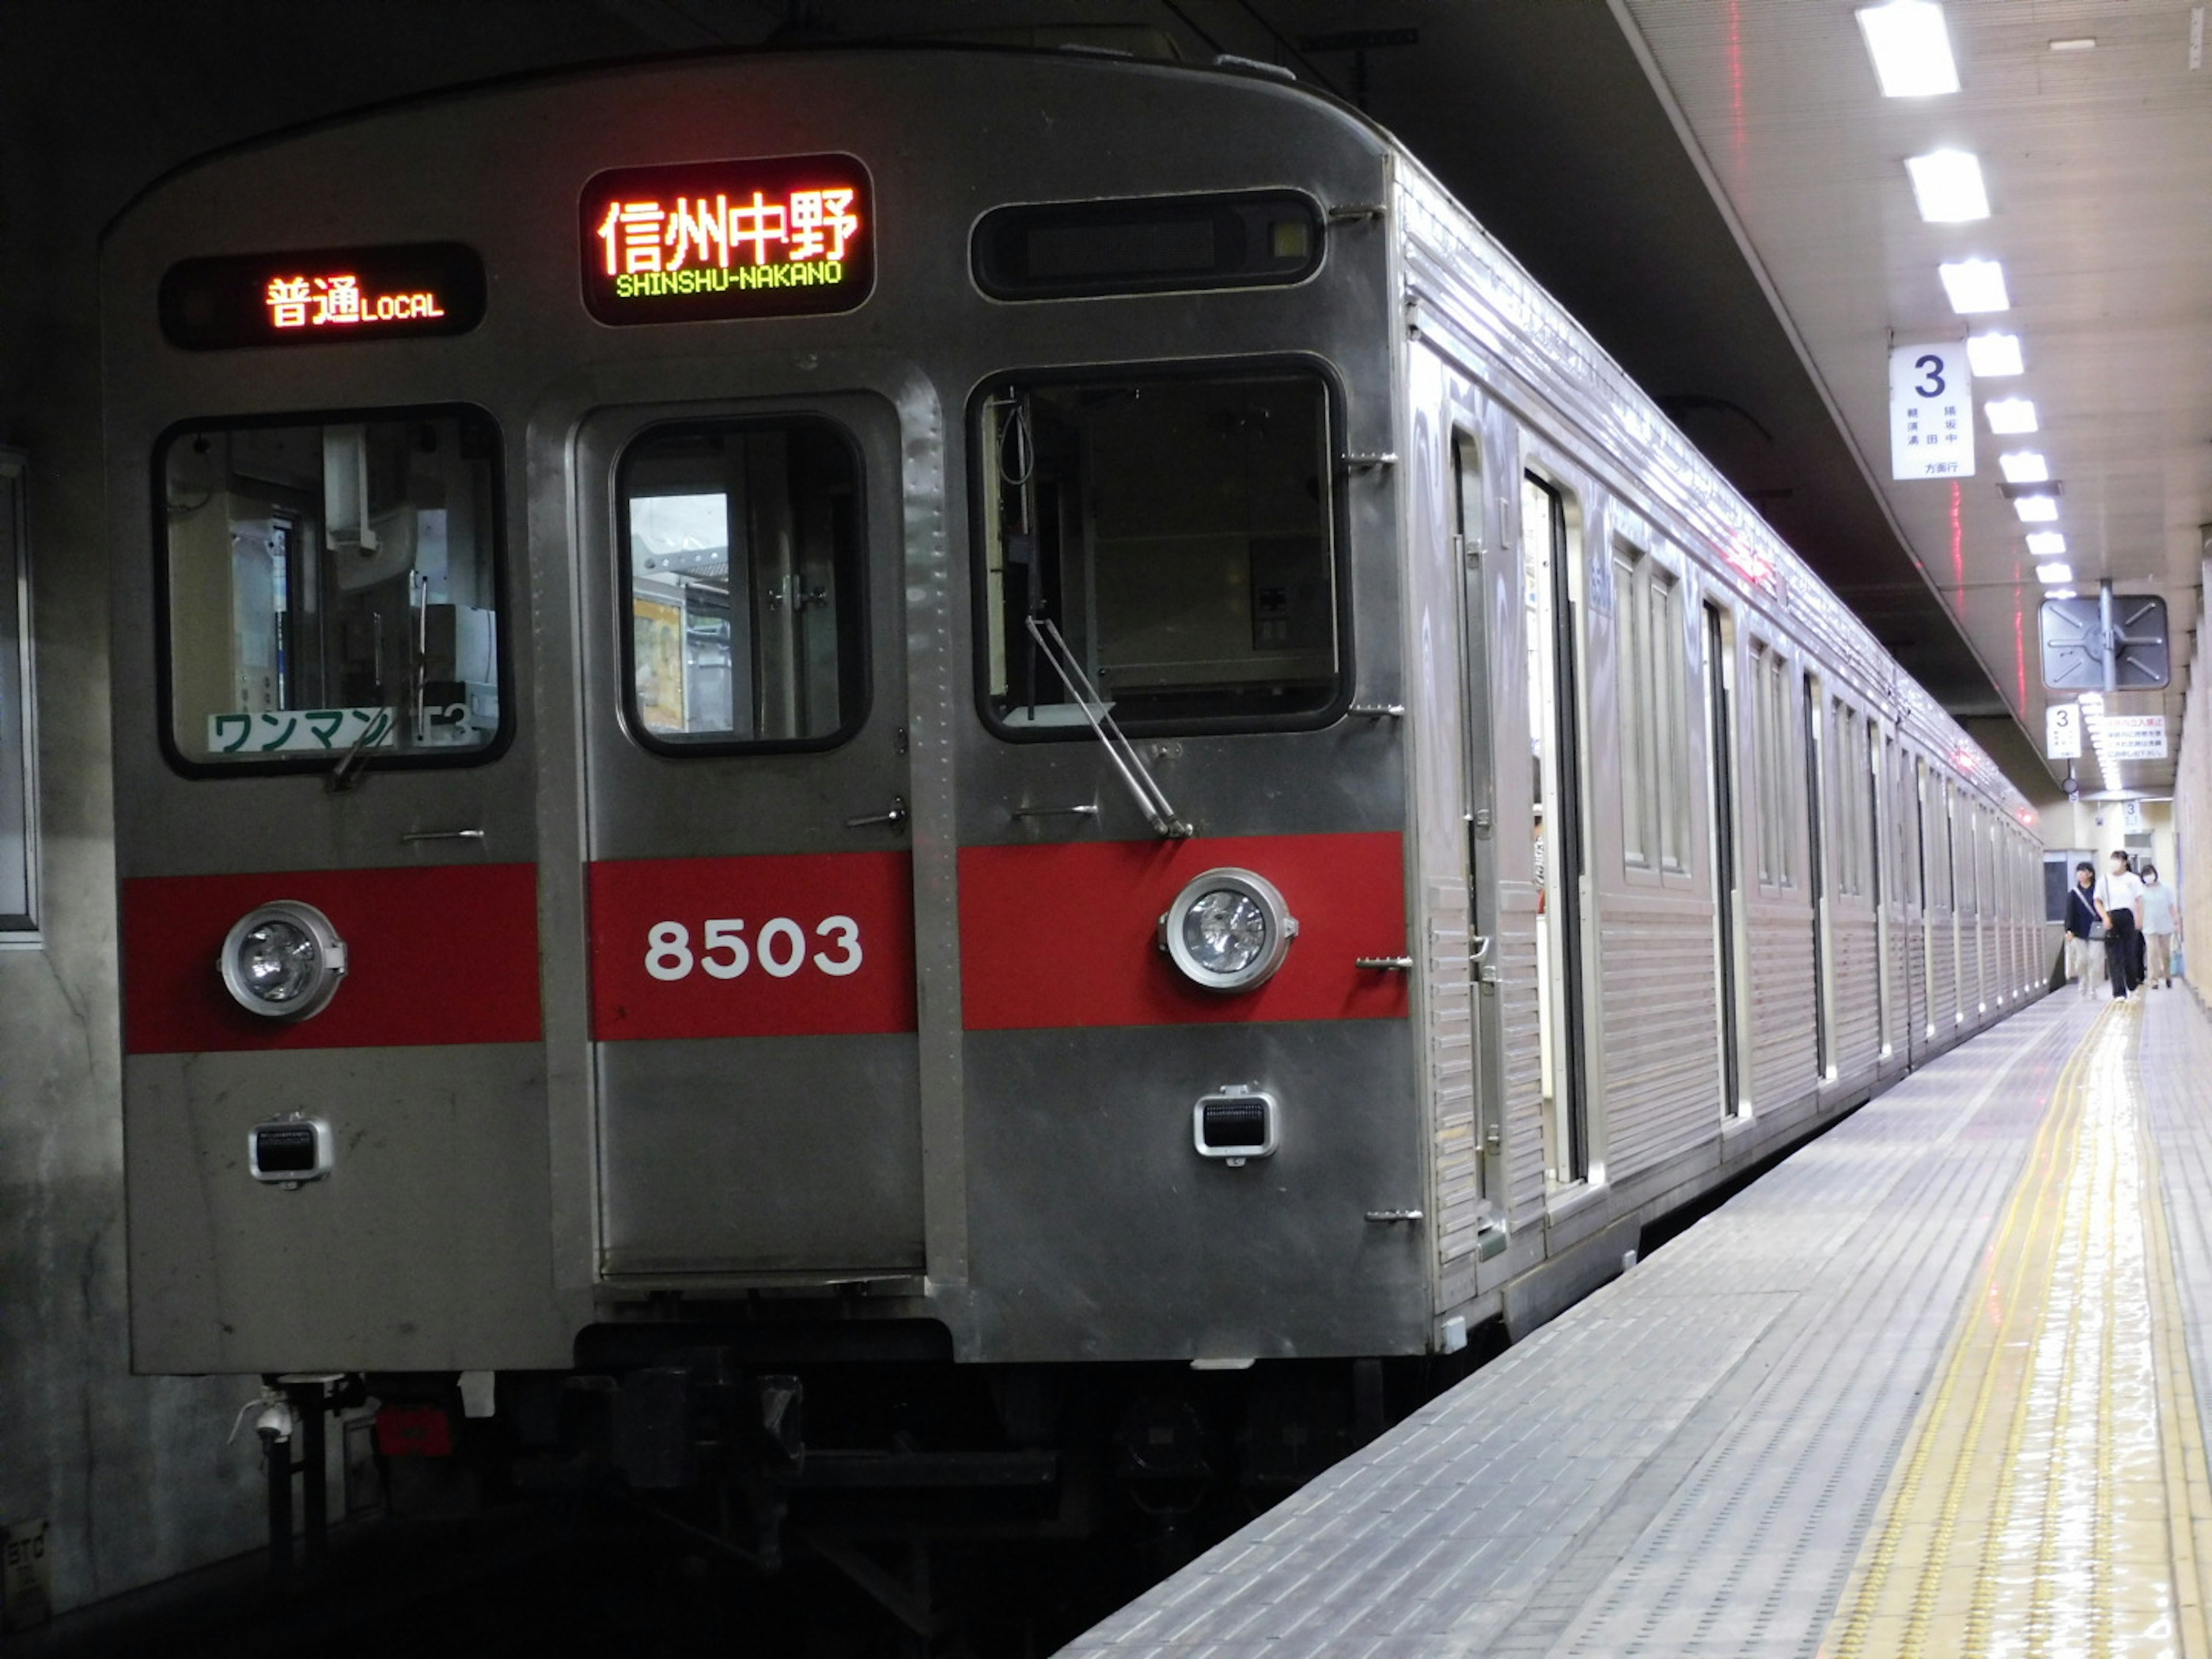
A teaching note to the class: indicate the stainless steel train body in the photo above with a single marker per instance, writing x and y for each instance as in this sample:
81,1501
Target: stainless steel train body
758,937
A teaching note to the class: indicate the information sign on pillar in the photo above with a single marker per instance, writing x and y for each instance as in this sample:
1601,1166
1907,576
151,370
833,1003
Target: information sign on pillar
2061,730
1931,412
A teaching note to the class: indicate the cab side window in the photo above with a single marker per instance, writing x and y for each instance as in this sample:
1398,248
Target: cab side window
1177,533
332,591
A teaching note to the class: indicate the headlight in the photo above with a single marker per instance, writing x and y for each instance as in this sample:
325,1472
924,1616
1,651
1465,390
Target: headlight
1229,930
284,960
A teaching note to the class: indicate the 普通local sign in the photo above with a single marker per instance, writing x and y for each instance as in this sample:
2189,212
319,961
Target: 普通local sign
1931,412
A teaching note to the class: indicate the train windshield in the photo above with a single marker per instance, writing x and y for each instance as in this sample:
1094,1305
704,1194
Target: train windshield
332,591
1177,533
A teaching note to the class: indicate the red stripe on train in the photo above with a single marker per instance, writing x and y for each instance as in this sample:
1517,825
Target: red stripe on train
1067,935
438,955
804,945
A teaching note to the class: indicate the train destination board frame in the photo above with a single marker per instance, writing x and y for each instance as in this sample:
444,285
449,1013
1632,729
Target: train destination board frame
702,241
322,296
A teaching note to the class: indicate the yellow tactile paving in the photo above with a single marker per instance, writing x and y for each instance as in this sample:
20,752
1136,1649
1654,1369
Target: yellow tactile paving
2053,1498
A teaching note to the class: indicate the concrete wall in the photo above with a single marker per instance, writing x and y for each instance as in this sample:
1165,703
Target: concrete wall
2192,817
97,97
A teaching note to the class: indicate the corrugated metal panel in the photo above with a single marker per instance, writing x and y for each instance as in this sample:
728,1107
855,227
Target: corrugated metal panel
1457,1157
1661,1042
1857,997
1783,1058
1943,981
1912,1012
1515,950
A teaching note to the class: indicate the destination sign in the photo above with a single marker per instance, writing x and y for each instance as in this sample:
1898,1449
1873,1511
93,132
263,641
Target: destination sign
321,296
790,235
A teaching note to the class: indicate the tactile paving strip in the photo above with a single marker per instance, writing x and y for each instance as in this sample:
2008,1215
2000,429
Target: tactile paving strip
2043,1506
1686,1461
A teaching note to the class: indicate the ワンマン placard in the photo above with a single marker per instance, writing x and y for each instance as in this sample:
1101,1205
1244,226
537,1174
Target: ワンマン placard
321,296
790,235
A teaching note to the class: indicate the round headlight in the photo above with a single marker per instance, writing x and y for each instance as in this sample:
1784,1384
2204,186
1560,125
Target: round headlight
284,960
1228,930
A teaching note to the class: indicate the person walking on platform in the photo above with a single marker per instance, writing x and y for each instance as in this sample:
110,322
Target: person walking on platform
2081,922
2161,920
2120,902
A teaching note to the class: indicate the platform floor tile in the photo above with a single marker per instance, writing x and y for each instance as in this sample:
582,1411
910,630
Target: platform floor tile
1699,1458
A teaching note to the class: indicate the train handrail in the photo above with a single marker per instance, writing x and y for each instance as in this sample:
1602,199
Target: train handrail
1152,799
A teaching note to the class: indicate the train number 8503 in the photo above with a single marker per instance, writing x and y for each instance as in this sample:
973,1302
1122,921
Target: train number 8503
779,947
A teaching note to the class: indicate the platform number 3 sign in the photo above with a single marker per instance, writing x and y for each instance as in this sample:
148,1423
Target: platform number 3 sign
1931,412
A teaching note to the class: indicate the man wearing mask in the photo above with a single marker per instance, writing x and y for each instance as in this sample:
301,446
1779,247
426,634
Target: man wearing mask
2120,902
2081,921
2161,920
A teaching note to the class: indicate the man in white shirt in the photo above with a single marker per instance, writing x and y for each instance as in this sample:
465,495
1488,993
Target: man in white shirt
2120,901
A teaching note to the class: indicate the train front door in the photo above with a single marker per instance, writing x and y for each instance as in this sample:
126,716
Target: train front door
750,885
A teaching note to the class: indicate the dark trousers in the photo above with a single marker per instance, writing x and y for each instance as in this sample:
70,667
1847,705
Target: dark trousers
2142,966
2120,938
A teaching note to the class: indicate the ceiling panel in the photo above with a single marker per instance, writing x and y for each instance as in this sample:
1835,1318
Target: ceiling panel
2099,164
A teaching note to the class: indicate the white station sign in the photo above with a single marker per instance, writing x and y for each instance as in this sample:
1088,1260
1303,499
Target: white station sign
2131,818
2134,737
1931,412
2061,730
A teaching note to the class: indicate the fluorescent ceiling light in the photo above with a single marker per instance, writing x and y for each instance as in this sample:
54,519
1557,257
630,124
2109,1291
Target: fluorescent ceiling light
2046,545
2024,465
2075,43
2036,509
2051,574
2063,593
2010,415
1993,356
1910,48
1948,184
1974,285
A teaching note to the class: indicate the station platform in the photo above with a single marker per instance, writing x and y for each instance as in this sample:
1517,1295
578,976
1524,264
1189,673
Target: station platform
1935,1385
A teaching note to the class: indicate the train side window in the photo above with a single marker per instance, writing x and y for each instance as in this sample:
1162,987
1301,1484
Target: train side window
1846,782
1777,797
1178,533
332,591
1632,655
746,586
1655,793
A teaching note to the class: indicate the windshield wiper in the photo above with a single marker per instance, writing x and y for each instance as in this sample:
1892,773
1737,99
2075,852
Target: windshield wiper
1152,799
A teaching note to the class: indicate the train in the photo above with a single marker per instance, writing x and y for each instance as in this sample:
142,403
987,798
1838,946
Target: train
950,786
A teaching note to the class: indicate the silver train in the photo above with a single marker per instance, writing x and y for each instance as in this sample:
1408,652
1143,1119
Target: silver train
835,767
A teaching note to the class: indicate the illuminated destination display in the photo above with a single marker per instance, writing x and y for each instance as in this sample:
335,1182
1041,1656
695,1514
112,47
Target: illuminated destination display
793,235
322,295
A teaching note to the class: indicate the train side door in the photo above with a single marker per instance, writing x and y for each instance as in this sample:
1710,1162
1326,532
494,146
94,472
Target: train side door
1817,861
751,889
1479,807
1548,553
1729,944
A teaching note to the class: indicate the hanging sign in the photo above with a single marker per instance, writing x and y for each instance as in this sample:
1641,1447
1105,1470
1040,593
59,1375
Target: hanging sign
786,236
2131,818
1931,412
2133,737
2061,730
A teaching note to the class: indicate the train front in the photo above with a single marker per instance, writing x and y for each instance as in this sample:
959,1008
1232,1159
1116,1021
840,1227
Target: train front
755,763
